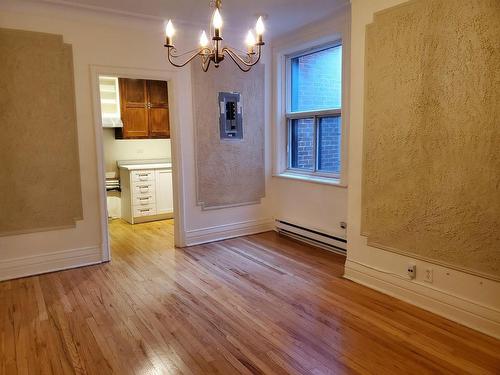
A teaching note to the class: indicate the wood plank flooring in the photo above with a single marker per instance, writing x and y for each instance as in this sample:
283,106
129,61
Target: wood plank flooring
260,304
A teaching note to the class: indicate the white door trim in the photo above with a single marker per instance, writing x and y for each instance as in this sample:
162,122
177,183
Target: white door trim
177,179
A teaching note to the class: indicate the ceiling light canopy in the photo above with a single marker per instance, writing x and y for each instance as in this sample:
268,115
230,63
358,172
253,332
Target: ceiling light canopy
213,52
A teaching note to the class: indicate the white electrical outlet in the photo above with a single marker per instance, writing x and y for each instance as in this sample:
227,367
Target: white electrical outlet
428,275
412,271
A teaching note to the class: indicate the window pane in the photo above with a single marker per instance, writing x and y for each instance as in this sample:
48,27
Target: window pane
316,80
329,144
302,143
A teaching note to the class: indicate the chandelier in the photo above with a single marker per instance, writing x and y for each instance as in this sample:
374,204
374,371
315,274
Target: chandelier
213,52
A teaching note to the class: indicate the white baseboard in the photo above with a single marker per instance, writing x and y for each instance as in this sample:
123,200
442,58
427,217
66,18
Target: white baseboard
222,232
479,317
49,262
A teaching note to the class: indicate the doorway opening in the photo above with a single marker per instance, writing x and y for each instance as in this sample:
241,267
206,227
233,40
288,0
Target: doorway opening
134,121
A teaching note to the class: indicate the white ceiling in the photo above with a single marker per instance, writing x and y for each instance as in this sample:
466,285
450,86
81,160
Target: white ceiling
283,15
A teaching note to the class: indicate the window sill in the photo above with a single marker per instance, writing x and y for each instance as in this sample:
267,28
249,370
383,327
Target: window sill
313,179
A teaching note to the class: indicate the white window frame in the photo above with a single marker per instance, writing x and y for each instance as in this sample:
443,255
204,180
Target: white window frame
282,105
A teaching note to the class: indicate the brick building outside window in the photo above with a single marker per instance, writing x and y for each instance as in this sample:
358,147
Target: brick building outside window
314,117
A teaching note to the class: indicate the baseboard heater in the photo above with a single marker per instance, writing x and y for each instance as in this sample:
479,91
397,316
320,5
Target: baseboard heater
312,237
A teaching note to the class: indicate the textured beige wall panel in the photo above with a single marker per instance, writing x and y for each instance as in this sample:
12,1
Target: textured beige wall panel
39,174
229,172
431,172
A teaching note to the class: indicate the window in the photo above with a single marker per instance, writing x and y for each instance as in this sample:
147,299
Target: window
313,117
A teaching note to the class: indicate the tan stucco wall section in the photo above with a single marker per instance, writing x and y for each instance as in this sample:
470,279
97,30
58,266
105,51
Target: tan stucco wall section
40,175
431,171
229,172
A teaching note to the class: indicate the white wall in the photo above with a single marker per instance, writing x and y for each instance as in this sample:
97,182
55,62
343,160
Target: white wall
310,204
468,299
114,40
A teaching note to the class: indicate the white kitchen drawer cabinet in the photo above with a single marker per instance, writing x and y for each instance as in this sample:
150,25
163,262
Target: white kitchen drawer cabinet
143,175
164,202
147,187
142,211
143,199
146,194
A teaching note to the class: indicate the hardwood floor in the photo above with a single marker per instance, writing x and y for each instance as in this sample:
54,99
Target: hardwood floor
260,304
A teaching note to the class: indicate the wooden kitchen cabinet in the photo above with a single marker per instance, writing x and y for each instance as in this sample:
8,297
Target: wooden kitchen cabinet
144,109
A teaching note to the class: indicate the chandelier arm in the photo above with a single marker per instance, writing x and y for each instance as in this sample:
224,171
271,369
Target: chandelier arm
173,52
249,63
170,56
206,64
181,64
234,56
241,53
238,60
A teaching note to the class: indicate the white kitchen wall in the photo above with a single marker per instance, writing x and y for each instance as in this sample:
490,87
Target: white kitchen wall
115,40
311,204
468,299
129,149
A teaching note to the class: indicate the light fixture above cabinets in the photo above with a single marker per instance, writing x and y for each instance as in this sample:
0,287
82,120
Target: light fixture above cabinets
110,102
212,51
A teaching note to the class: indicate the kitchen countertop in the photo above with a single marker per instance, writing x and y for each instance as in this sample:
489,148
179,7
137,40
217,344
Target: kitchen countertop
132,165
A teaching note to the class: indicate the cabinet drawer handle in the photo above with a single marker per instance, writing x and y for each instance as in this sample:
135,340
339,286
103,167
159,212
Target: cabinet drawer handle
143,174
146,210
144,187
144,199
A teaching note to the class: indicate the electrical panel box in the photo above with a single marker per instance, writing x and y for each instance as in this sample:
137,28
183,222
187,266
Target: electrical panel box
230,115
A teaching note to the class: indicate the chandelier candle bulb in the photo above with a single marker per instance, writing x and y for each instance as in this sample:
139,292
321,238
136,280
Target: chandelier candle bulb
250,42
259,28
217,22
203,40
169,32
